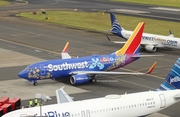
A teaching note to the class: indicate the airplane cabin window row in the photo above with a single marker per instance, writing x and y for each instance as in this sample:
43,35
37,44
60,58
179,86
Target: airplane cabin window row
88,113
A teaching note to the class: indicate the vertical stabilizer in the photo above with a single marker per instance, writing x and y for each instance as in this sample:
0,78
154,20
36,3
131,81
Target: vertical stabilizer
116,28
172,80
132,45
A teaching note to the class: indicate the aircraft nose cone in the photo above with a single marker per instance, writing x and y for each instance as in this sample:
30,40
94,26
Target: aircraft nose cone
22,74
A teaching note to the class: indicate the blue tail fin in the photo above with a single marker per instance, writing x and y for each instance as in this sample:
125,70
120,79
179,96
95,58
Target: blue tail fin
116,28
172,80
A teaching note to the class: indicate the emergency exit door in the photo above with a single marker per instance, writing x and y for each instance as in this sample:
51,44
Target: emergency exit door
163,100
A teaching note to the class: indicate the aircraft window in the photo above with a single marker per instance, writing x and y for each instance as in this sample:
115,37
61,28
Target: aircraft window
97,111
29,69
103,110
94,111
100,110
153,102
106,109
71,115
146,103
134,105
143,104
91,112
118,108
78,114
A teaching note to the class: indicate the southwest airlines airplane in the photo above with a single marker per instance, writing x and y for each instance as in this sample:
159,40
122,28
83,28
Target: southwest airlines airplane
127,105
150,42
84,69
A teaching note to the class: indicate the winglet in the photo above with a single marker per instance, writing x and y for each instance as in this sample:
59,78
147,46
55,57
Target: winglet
65,48
171,34
64,53
151,68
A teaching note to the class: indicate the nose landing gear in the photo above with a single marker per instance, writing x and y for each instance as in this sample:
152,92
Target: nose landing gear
35,83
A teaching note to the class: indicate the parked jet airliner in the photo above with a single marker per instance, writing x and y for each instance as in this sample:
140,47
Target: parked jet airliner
84,69
126,105
150,42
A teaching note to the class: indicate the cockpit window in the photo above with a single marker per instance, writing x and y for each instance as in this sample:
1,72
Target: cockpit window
29,69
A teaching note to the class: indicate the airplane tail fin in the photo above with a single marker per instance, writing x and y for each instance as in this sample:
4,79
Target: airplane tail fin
132,46
116,28
172,80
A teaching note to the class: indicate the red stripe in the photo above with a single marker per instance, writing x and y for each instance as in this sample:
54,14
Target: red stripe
135,42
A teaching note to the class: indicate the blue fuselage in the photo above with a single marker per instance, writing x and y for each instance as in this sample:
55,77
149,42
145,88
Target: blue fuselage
64,67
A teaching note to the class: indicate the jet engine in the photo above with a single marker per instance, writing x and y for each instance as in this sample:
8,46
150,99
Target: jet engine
79,79
150,48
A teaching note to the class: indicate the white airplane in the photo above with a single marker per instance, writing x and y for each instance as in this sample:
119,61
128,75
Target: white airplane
150,42
126,105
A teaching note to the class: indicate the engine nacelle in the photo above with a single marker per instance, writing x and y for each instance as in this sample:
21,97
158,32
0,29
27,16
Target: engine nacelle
79,79
150,48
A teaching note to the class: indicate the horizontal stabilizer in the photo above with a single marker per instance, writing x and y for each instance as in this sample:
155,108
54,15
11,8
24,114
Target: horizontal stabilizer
113,32
177,97
115,73
171,34
62,96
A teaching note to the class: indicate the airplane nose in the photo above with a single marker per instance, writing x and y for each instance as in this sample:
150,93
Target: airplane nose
22,74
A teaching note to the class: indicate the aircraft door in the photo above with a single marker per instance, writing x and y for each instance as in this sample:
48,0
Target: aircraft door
87,113
42,70
23,115
82,114
163,100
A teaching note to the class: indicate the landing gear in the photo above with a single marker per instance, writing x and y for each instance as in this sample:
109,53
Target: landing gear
93,80
35,83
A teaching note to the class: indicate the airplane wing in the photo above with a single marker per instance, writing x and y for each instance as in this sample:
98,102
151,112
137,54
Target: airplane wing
122,42
106,72
64,54
62,96
145,55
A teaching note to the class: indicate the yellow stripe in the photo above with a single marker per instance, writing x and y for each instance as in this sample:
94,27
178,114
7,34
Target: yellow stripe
127,44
